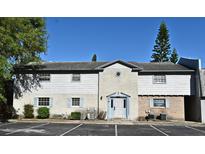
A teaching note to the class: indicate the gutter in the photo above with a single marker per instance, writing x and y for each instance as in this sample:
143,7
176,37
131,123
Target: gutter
148,71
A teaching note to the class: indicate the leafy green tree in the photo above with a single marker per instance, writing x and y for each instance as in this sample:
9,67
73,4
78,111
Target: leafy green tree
161,49
174,56
5,75
94,58
22,40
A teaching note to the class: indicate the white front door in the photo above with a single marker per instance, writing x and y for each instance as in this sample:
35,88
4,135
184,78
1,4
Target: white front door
119,107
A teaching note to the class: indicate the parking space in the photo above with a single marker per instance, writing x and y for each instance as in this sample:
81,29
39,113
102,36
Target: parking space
180,131
65,129
199,128
22,128
137,130
51,129
93,130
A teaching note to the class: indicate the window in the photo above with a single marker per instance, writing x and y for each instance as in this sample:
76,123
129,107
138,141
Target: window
118,74
75,101
111,103
159,102
76,77
43,101
159,79
44,77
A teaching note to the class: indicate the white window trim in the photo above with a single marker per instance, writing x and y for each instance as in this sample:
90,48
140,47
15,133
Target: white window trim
153,81
43,105
160,107
75,106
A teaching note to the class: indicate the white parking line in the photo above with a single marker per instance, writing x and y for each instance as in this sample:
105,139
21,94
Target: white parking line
195,129
18,130
71,129
159,130
116,134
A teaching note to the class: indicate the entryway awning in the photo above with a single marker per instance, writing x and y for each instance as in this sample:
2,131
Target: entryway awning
118,94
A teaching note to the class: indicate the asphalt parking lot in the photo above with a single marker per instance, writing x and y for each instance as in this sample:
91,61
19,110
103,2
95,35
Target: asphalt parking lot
80,129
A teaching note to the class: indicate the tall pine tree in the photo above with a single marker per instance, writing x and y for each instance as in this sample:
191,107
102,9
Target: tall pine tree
174,56
94,58
161,49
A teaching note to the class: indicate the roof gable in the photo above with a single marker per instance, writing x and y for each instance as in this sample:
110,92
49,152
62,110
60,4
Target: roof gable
127,64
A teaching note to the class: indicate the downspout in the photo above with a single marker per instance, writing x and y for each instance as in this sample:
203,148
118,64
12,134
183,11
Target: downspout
98,110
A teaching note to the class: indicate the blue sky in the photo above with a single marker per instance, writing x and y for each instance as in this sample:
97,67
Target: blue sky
131,39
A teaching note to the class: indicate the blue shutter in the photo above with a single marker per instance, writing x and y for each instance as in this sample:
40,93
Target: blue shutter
167,103
108,109
51,102
151,102
35,101
128,107
81,102
69,103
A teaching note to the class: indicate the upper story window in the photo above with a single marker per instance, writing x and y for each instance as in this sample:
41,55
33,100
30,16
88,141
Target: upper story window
43,101
76,77
44,77
161,79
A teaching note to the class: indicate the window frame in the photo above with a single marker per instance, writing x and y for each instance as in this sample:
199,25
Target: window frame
49,99
158,82
40,78
165,102
72,77
118,74
72,101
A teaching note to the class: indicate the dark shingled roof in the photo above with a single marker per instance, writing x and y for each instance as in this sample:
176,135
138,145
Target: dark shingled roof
93,66
71,65
161,66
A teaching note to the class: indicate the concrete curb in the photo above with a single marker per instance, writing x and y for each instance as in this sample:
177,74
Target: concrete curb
113,122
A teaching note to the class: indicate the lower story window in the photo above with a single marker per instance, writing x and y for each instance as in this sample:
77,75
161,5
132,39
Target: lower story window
159,102
75,101
43,101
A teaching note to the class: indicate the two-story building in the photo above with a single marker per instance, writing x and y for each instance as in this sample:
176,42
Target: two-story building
126,90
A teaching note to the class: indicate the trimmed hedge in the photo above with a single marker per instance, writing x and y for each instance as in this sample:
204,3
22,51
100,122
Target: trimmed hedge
75,115
28,111
43,113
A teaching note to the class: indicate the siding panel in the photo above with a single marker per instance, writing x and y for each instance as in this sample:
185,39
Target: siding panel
62,84
175,85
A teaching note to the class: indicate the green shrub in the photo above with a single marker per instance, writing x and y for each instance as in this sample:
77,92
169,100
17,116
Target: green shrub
28,111
43,113
75,115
